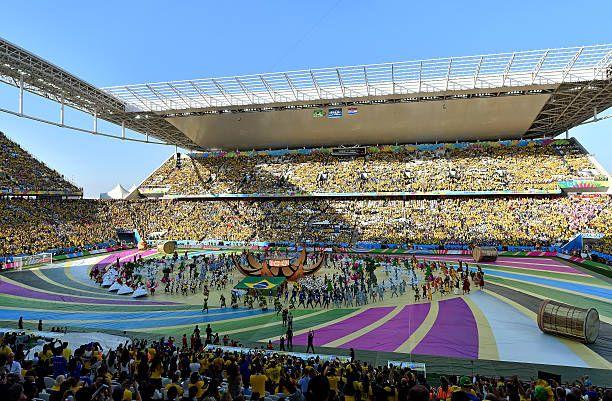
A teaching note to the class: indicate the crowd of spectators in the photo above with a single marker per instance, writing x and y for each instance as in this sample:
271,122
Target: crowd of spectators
173,370
20,171
31,226
505,221
476,168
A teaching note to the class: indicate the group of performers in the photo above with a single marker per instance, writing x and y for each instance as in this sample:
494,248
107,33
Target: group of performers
352,282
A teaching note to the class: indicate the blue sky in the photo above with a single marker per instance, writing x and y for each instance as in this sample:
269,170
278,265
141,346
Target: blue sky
111,43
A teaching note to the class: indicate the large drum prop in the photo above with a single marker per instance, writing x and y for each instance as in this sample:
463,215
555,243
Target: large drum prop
167,247
569,321
484,254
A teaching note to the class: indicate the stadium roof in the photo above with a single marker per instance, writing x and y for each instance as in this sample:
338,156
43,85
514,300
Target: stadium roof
536,67
508,95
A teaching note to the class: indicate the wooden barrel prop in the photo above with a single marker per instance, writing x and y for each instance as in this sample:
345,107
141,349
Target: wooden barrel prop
569,321
167,247
484,254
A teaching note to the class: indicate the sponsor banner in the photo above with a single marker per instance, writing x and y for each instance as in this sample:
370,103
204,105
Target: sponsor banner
334,113
583,184
24,192
351,111
292,194
318,113
301,355
440,147
153,190
592,235
418,366
355,151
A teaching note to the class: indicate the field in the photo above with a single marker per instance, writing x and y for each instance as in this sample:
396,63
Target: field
494,324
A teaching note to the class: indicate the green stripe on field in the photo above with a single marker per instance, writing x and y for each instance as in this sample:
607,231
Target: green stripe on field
602,307
277,331
222,327
575,278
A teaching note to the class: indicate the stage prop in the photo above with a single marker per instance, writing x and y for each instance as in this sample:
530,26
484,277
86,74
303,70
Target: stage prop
279,267
484,254
167,247
569,321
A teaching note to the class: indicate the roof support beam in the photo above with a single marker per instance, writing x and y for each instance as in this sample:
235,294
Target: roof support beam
293,88
223,91
420,76
365,77
393,79
341,83
269,88
448,72
161,98
538,67
478,71
201,93
139,98
248,93
179,95
315,84
507,69
571,63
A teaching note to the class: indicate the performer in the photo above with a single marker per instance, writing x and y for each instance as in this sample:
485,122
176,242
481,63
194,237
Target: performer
310,342
282,343
466,285
289,339
205,306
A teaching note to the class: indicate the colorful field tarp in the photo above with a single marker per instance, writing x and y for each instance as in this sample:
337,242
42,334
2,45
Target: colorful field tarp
498,323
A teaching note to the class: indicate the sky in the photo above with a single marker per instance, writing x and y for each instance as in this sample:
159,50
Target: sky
112,43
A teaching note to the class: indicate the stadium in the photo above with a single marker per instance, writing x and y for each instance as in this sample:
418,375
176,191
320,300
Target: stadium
430,218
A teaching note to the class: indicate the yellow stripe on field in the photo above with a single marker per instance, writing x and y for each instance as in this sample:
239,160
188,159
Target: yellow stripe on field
487,346
419,334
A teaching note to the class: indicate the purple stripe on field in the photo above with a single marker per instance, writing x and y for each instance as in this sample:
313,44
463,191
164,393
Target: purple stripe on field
12,289
112,258
454,333
393,333
518,263
341,329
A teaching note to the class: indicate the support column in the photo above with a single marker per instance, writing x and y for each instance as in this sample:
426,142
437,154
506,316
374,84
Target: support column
62,111
21,95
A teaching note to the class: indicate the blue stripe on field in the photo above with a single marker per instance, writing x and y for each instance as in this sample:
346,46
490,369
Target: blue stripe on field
576,287
218,313
152,323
